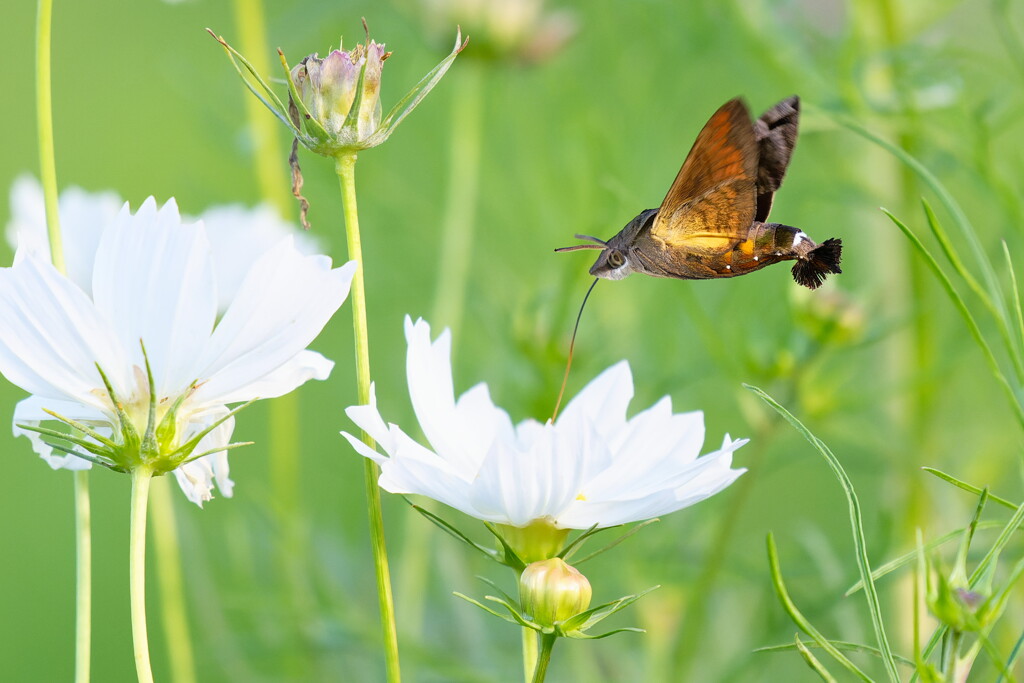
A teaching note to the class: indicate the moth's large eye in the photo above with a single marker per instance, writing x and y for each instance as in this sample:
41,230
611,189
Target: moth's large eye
615,259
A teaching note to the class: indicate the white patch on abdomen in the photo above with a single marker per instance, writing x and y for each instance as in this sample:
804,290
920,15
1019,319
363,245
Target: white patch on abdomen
800,237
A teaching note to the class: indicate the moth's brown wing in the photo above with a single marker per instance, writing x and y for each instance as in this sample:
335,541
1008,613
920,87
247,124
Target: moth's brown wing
711,204
776,133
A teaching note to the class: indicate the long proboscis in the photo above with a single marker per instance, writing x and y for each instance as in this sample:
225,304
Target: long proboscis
572,345
600,244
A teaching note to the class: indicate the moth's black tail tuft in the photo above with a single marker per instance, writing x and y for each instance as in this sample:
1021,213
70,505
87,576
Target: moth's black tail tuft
810,270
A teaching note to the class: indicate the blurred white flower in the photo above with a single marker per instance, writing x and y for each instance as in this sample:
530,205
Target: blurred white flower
591,466
238,234
524,30
153,282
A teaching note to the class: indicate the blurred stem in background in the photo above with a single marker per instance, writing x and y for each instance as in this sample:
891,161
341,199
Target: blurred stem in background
48,177
461,201
284,436
172,596
454,260
345,165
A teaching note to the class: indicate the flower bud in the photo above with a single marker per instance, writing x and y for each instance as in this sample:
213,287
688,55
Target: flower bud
953,603
551,591
538,540
328,88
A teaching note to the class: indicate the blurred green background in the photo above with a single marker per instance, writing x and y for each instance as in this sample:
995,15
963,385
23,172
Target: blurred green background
876,362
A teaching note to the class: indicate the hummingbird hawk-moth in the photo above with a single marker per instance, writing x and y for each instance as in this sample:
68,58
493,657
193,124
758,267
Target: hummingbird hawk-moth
711,223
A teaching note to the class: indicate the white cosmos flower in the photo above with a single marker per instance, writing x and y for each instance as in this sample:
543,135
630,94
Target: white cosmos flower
238,234
154,281
591,466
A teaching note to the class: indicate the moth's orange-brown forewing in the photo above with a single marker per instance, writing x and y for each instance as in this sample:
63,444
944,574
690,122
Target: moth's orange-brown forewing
712,201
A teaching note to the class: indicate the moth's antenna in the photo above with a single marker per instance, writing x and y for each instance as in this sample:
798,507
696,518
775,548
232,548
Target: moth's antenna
572,344
601,244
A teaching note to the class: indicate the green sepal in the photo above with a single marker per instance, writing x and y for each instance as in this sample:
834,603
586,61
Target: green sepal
575,545
513,616
416,95
276,107
509,557
591,617
490,553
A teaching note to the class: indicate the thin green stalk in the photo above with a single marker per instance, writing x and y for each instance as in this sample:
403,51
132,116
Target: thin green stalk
172,595
283,434
461,200
455,256
268,155
547,643
48,178
44,114
83,576
345,168
530,654
141,477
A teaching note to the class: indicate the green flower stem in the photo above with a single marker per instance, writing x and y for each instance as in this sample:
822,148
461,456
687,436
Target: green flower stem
83,577
141,477
547,643
48,178
172,595
530,654
345,168
44,114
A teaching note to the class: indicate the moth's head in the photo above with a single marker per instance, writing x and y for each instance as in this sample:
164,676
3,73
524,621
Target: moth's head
615,261
611,264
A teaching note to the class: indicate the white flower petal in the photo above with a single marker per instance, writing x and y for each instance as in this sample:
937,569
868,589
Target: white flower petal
285,301
168,302
83,215
197,478
30,412
459,431
593,467
50,344
239,236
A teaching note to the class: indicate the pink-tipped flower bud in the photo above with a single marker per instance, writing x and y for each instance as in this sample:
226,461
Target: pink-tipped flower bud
551,591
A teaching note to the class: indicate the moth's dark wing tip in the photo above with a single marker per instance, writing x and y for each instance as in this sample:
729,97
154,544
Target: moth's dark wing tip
811,270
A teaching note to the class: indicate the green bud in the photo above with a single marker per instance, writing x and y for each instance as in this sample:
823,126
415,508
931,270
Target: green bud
953,603
538,540
551,591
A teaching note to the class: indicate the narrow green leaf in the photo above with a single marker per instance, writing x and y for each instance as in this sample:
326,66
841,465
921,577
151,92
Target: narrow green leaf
841,645
979,338
83,456
1014,654
800,620
812,661
1015,290
959,217
908,558
1002,320
856,526
967,487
